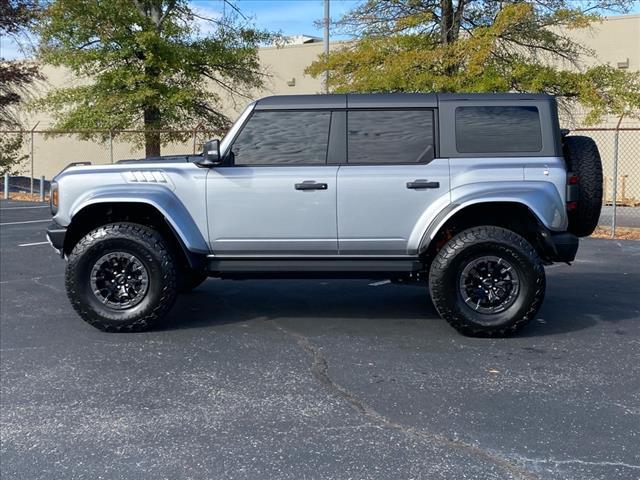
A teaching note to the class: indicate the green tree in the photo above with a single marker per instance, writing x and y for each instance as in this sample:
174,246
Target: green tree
16,77
147,65
477,46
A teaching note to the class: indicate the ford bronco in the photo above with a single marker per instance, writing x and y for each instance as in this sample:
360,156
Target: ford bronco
472,194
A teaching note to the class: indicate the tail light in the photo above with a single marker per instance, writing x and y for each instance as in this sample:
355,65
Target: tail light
572,192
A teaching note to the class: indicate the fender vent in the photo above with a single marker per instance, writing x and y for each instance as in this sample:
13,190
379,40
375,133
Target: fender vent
145,176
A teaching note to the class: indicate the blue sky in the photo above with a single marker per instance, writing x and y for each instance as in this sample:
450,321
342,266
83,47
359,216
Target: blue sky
291,17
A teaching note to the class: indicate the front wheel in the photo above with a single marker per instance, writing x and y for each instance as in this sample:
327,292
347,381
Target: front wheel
487,281
121,277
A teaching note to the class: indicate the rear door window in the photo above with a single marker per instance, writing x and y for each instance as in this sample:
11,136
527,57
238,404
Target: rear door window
498,129
390,136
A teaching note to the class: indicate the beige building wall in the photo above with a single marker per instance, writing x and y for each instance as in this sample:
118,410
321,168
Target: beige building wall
615,41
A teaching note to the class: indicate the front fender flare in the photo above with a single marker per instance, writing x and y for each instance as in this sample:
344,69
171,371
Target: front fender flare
161,198
541,198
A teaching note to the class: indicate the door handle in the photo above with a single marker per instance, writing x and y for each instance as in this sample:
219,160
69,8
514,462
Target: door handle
311,185
419,184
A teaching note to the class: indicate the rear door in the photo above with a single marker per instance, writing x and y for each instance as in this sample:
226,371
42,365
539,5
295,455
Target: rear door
390,180
277,195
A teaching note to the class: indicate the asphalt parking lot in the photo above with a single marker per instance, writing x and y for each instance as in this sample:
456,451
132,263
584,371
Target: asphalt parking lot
316,379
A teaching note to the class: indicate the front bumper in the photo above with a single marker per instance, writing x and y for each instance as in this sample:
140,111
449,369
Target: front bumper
55,235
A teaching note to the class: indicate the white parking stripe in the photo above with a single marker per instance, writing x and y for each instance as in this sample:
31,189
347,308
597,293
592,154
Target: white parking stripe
20,208
32,244
29,221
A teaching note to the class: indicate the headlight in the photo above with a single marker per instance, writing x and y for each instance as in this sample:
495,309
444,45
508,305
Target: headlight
54,198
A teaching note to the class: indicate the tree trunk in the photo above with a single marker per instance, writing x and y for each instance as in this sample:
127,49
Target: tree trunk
450,20
446,21
153,11
151,136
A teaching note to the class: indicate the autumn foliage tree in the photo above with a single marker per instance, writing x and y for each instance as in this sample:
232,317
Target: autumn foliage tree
16,77
477,46
147,64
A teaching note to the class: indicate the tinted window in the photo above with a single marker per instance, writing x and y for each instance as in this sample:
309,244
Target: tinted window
390,136
498,129
275,138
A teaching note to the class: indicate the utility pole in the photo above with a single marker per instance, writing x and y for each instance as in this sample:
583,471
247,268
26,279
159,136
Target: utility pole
326,42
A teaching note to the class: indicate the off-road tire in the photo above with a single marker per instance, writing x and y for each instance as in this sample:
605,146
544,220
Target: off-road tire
188,279
583,159
145,244
449,263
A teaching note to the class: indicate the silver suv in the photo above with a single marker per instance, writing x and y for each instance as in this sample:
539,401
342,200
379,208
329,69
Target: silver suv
471,194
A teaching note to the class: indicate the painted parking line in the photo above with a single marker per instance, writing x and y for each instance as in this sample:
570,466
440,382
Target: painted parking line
33,244
21,208
28,221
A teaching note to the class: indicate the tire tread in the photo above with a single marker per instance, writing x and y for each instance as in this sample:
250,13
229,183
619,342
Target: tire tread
136,232
455,246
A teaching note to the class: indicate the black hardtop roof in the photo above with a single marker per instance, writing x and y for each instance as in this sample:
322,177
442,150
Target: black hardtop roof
382,100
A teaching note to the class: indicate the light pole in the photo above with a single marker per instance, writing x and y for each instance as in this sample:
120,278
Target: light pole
326,43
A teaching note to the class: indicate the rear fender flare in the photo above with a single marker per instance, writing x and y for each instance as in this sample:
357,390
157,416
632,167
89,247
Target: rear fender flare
541,198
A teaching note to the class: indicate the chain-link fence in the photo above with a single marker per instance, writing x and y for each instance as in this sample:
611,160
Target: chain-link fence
45,153
620,152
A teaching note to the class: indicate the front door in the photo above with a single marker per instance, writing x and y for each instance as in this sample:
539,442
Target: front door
277,195
391,182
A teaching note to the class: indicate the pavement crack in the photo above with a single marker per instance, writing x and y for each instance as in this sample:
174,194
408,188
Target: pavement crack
578,461
320,371
38,281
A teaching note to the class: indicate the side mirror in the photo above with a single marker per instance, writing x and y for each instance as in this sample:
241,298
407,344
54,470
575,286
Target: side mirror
211,154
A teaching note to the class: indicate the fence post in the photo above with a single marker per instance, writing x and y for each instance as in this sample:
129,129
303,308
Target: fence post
200,126
34,127
6,186
111,146
31,162
42,188
195,132
615,177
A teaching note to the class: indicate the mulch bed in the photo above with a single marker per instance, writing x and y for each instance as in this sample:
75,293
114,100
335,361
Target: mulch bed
27,197
622,233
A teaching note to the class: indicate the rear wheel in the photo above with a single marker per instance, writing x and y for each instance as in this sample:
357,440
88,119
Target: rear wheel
121,277
487,281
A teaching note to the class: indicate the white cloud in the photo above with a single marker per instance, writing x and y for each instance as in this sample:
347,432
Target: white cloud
206,11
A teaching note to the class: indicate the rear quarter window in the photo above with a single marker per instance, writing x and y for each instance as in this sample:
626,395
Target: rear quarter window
495,129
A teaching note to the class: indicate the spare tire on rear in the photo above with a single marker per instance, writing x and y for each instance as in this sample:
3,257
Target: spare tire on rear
583,160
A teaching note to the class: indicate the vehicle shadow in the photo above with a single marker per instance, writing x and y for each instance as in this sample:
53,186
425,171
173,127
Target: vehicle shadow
219,302
575,301
581,300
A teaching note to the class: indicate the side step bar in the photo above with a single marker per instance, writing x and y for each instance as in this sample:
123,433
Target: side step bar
300,267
